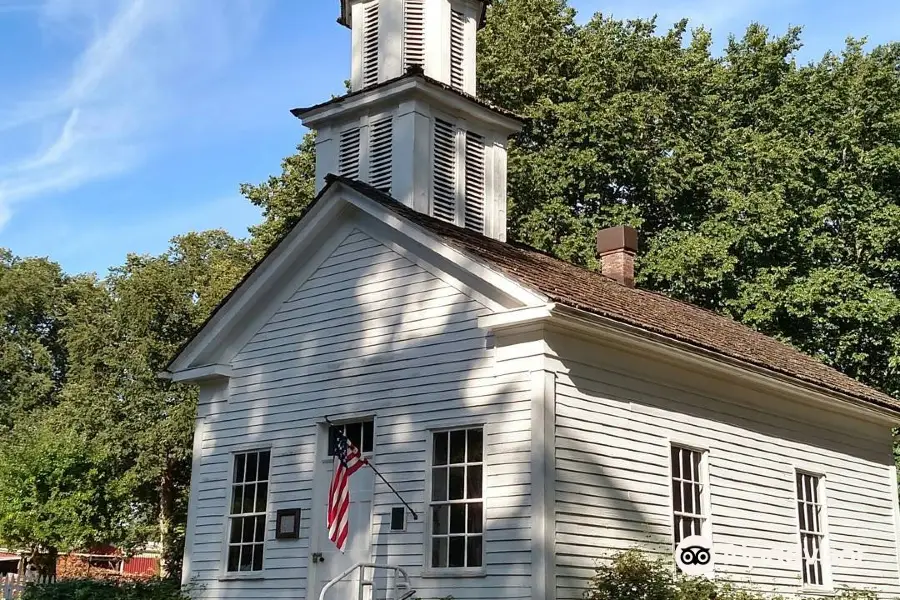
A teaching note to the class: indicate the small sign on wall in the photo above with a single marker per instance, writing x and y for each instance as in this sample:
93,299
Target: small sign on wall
287,524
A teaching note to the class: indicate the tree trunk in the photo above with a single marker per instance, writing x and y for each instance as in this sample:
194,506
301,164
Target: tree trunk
45,562
166,510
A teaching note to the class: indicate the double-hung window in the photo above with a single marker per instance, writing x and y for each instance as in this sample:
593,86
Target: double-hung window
456,511
689,510
247,518
810,511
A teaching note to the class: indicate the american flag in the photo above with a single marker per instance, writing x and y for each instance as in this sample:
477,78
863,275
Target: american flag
347,461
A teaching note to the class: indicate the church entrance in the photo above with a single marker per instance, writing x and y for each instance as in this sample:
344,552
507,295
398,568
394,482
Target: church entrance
326,561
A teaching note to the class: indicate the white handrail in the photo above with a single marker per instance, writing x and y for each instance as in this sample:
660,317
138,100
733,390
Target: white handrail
398,585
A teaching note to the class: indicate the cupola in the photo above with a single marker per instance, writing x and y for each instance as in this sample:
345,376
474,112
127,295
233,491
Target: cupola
391,36
411,124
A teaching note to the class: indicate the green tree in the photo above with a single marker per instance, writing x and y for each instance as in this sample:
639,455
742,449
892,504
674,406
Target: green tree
283,198
35,296
59,490
118,347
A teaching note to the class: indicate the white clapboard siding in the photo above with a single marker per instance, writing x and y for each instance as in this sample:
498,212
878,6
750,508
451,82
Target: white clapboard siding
615,421
413,33
445,162
475,182
369,333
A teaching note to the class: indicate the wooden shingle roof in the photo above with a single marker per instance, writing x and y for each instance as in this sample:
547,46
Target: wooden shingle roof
587,290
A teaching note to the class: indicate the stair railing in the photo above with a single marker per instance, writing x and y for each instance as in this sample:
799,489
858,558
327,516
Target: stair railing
400,590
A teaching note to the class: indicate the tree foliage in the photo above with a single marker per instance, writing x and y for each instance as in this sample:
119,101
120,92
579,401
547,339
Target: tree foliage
763,189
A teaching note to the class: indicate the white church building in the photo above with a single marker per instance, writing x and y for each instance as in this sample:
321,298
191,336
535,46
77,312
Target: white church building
536,416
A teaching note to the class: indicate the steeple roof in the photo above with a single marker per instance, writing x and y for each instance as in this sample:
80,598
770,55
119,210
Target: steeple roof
344,19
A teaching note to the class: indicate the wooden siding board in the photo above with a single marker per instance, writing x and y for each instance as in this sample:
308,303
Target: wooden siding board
369,333
614,423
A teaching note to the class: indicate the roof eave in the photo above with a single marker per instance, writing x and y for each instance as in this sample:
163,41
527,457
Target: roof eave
408,84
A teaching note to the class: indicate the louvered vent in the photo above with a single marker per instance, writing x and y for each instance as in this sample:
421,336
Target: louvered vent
444,171
413,33
370,45
475,182
380,154
457,49
348,160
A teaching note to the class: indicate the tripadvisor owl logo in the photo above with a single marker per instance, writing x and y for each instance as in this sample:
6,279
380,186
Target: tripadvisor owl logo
694,556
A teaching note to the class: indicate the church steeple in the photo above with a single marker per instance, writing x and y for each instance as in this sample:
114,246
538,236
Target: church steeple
411,124
391,36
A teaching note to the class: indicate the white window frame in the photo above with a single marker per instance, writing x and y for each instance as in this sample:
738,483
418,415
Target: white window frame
226,538
430,571
705,499
822,503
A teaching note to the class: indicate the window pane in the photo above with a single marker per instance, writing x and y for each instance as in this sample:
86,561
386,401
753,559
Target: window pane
458,551
332,438
439,549
474,551
685,464
238,468
261,490
260,529
368,436
257,557
457,518
439,519
676,465
687,498
246,558
251,467
473,482
440,448
354,432
234,556
248,529
686,528
235,536
457,483
476,518
676,497
249,497
264,466
237,493
476,450
439,484
457,447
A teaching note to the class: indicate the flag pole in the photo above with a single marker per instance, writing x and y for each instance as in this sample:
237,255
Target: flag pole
386,482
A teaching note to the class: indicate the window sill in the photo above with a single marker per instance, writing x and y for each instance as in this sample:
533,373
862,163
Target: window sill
454,573
256,576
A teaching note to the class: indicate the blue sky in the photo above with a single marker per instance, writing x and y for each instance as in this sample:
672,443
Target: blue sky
126,122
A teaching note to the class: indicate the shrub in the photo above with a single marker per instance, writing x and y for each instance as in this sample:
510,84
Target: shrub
88,589
632,575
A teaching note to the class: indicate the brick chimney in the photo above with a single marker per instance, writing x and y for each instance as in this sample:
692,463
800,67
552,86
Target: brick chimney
616,248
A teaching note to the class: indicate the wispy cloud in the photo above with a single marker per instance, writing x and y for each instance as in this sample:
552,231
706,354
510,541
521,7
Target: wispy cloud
135,65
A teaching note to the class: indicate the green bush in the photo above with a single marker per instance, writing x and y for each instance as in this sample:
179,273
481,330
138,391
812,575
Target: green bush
633,575
86,589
